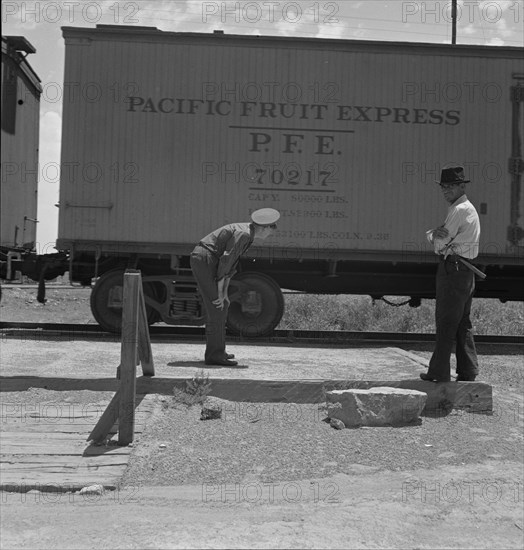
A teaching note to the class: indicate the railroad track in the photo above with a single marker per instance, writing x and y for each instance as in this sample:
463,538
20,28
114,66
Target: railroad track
65,330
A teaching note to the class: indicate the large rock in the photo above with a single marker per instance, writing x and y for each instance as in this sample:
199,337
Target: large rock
380,406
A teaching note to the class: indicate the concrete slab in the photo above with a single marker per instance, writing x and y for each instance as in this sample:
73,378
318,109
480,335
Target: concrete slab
266,373
84,357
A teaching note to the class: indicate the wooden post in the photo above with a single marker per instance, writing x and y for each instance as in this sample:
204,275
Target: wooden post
145,353
129,358
135,348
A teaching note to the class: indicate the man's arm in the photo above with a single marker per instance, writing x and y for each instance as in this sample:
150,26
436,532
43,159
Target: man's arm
229,259
442,237
223,285
438,233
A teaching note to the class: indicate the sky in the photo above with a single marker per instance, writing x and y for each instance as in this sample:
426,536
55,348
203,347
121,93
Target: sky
481,22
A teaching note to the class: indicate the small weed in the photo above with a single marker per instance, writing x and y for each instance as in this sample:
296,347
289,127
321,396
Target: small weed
196,391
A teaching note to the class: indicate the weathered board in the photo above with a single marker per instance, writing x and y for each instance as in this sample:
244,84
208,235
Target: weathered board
35,454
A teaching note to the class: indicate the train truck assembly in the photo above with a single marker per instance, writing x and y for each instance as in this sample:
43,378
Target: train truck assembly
167,136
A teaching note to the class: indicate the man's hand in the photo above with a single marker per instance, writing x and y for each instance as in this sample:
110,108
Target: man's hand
223,298
440,232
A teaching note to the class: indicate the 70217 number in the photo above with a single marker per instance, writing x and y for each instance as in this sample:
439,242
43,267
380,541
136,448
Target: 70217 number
320,176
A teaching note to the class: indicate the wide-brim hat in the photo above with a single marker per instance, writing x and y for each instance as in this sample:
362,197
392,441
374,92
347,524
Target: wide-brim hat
265,216
453,175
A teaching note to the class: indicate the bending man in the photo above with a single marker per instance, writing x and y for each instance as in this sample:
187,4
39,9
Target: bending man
214,262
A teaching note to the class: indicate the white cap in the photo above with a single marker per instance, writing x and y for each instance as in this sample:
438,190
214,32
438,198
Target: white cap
265,216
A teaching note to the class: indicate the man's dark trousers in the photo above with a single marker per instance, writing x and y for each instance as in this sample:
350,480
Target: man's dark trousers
455,288
204,266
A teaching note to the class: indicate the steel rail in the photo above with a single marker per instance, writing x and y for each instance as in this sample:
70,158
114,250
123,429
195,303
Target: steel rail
94,331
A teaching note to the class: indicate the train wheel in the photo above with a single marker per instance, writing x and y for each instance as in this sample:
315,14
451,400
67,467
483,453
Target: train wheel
107,299
257,304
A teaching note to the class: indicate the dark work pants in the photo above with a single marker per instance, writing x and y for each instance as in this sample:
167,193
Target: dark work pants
455,287
204,266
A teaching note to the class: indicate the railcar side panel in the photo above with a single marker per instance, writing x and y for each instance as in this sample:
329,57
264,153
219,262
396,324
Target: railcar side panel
169,135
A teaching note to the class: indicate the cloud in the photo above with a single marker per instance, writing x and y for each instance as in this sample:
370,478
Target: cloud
495,42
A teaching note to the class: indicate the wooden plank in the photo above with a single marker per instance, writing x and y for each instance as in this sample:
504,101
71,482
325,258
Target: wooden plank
101,460
14,481
43,444
82,432
36,436
66,450
144,407
129,357
145,352
60,384
107,420
57,428
49,419
24,470
65,468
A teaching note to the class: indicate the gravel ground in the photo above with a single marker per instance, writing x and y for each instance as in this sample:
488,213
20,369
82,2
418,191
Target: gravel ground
63,305
270,442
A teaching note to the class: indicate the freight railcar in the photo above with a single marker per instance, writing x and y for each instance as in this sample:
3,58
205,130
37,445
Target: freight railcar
21,92
167,136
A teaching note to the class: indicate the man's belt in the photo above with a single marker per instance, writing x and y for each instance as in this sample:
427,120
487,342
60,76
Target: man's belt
471,267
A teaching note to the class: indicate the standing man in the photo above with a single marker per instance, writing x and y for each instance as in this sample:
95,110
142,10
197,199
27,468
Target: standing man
456,242
214,262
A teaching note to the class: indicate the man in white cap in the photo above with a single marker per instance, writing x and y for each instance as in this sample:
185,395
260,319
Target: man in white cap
214,261
456,242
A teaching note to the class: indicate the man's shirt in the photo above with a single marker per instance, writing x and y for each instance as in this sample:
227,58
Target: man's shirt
463,225
228,243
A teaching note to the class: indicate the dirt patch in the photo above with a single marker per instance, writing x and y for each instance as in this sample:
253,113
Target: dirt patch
275,441
63,305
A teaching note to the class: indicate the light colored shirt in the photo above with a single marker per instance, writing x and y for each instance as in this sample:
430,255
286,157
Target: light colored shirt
228,243
463,225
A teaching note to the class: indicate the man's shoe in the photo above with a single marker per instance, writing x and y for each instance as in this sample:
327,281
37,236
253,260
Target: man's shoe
429,378
230,355
222,362
461,378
